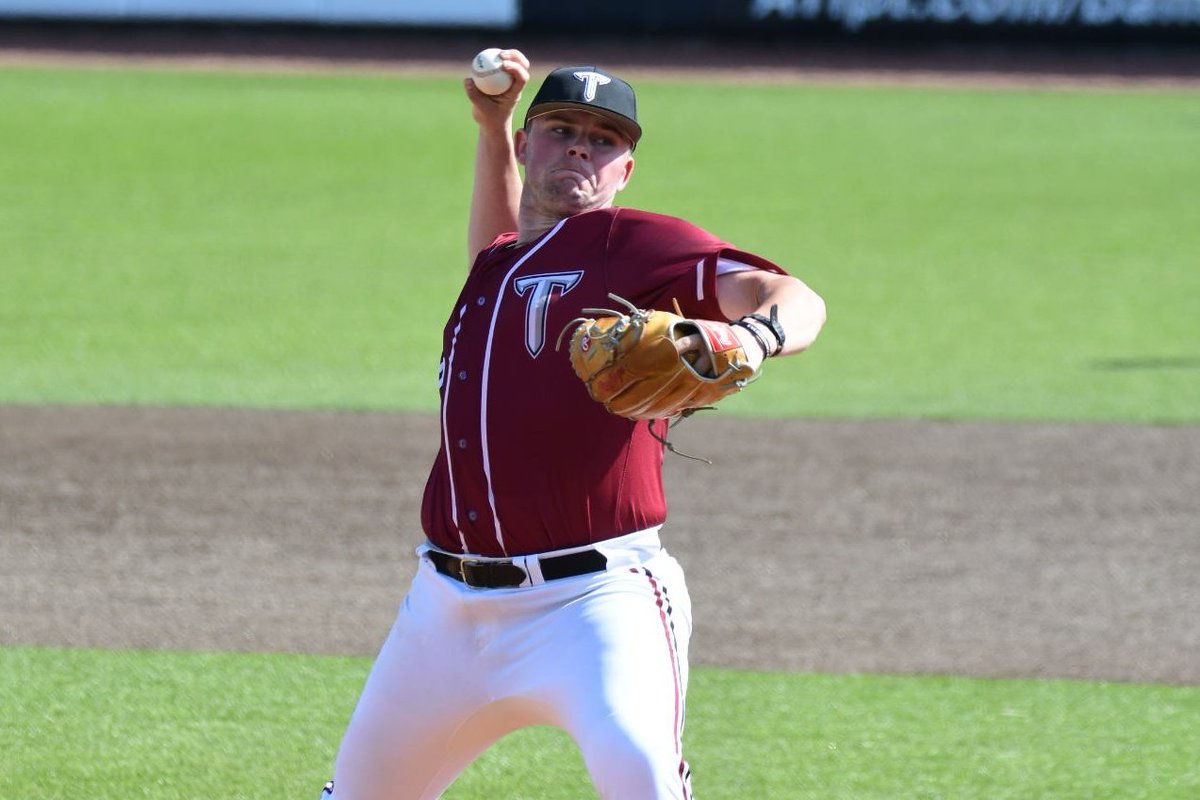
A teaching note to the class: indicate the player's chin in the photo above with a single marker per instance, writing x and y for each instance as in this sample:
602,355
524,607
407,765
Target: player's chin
575,201
569,186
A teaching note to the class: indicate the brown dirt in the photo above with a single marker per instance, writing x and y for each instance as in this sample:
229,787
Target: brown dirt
901,547
977,549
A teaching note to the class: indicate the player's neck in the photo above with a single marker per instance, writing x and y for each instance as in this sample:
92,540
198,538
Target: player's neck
527,233
534,219
533,223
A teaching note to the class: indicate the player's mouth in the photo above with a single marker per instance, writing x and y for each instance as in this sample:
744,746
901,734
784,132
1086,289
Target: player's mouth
569,172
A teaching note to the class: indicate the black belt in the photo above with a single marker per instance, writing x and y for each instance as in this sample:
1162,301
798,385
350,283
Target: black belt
493,574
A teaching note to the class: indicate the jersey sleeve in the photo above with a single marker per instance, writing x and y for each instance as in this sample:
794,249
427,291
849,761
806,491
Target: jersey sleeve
656,260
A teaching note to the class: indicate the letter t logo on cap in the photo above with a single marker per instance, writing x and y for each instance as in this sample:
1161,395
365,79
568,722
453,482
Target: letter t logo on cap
591,80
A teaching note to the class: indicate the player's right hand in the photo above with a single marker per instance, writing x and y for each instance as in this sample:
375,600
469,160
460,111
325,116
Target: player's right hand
496,110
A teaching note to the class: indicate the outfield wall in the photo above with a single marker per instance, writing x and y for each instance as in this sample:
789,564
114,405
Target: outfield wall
450,13
778,16
750,17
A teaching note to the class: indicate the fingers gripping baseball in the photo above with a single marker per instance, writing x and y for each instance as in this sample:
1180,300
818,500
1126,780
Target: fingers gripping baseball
485,85
655,364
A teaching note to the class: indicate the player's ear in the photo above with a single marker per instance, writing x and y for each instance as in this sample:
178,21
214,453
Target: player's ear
520,142
628,174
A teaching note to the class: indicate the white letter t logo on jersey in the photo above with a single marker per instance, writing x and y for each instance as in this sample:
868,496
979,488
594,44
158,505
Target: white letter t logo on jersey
591,80
538,306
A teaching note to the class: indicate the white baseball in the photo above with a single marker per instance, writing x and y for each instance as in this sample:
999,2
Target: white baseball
488,74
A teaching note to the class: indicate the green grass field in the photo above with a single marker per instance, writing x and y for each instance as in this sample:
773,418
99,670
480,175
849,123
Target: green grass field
295,241
189,238
181,726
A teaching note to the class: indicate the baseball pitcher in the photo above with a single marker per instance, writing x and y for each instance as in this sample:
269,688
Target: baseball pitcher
544,594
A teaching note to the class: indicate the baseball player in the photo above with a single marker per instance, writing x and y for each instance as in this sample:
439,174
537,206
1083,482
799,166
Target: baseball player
543,594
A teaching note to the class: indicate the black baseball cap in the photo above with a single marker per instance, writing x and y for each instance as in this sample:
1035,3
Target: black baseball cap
590,89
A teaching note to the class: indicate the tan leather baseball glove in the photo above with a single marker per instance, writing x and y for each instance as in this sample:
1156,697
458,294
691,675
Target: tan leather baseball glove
631,363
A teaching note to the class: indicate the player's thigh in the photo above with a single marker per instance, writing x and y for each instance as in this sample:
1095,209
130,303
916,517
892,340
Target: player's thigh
421,767
419,694
628,676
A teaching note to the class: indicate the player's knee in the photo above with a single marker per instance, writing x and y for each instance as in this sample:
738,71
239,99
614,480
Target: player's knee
622,766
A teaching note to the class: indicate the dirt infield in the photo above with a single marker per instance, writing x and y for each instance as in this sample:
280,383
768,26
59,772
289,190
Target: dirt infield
977,549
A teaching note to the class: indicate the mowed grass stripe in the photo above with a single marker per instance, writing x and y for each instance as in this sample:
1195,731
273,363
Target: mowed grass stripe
296,241
110,725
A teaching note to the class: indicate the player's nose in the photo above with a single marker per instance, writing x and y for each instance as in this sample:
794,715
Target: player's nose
578,150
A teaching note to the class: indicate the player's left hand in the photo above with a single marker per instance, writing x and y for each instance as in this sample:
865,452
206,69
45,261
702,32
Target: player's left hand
692,348
655,364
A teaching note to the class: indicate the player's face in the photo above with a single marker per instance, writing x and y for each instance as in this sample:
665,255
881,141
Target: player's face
574,161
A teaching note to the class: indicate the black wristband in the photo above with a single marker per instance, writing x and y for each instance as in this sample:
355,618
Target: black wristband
772,324
758,337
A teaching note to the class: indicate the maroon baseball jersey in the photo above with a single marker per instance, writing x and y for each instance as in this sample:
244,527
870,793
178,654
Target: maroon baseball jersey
528,461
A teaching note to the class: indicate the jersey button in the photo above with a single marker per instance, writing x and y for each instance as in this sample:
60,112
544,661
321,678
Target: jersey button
471,515
462,444
481,300
462,374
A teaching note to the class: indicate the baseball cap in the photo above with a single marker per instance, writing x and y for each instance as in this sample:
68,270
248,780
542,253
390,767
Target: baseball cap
590,89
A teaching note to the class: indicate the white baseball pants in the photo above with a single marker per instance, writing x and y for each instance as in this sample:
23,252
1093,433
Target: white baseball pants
602,656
